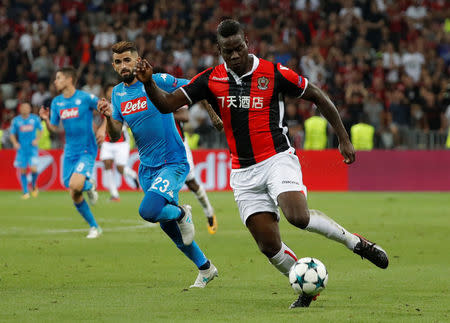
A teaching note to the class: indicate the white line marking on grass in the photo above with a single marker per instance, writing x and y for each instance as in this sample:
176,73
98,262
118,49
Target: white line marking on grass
54,218
23,230
115,229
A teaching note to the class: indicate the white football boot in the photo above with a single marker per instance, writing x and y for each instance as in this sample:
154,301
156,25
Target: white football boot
186,225
92,193
205,276
94,232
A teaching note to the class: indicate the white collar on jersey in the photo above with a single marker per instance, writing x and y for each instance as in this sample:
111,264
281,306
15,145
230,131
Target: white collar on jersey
239,79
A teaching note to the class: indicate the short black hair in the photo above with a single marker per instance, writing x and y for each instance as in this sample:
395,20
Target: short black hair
229,27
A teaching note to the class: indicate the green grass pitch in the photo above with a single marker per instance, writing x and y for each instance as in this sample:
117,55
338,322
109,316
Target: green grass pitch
49,271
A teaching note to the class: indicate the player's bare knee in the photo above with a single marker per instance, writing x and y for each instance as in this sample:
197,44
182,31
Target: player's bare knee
299,218
75,187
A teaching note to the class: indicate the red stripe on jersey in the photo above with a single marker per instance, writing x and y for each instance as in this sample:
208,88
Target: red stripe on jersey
288,74
291,76
221,90
259,118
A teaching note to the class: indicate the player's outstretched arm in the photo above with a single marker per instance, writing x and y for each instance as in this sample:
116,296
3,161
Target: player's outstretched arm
44,113
113,127
164,102
218,124
329,111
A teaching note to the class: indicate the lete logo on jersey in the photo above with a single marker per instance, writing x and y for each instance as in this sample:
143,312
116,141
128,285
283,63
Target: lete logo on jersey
134,106
26,128
69,113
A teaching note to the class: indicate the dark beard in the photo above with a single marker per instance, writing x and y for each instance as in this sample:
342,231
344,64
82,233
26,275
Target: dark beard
127,79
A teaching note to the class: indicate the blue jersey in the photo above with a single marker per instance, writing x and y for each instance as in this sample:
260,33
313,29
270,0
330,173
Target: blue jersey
25,131
155,133
76,114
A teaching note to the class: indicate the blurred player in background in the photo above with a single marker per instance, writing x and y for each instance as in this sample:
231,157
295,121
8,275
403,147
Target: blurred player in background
74,109
163,166
26,131
116,153
248,95
182,115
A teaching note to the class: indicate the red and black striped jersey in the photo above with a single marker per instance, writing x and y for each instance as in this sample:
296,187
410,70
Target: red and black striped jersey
251,107
179,126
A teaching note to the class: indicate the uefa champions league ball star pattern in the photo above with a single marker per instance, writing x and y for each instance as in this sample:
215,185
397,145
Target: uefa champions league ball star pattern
308,276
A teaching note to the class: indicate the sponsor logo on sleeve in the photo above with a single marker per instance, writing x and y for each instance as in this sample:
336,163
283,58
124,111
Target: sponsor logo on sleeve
134,106
69,113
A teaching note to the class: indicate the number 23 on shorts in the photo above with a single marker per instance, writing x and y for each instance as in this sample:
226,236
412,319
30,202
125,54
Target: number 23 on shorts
160,184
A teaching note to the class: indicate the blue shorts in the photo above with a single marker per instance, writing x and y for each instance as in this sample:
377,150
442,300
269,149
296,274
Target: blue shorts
166,180
81,164
25,158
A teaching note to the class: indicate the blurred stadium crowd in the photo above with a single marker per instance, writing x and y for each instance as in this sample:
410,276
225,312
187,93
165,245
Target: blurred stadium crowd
385,63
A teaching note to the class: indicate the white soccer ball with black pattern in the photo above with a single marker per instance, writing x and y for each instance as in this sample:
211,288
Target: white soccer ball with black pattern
308,276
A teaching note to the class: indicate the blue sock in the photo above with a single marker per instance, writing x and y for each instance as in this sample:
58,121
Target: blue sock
24,181
87,185
155,208
169,212
85,211
33,180
192,251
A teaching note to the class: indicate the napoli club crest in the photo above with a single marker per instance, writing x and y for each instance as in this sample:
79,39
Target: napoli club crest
263,83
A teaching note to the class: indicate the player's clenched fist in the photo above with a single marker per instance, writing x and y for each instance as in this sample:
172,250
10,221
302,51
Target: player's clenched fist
347,151
104,107
144,70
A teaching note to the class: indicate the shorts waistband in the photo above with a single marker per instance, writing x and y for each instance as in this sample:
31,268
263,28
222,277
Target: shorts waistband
286,152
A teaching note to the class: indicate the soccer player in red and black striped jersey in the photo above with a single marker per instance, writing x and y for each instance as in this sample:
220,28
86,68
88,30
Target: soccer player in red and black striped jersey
247,93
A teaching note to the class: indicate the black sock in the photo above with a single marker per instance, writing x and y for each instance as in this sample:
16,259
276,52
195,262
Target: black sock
182,213
206,265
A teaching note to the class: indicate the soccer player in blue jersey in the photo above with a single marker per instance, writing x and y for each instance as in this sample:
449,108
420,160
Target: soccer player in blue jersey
163,166
25,134
74,109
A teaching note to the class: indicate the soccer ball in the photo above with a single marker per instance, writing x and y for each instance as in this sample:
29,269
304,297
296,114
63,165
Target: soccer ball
308,276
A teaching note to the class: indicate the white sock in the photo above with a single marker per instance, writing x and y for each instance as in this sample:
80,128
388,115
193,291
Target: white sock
111,183
284,259
204,202
322,224
127,171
